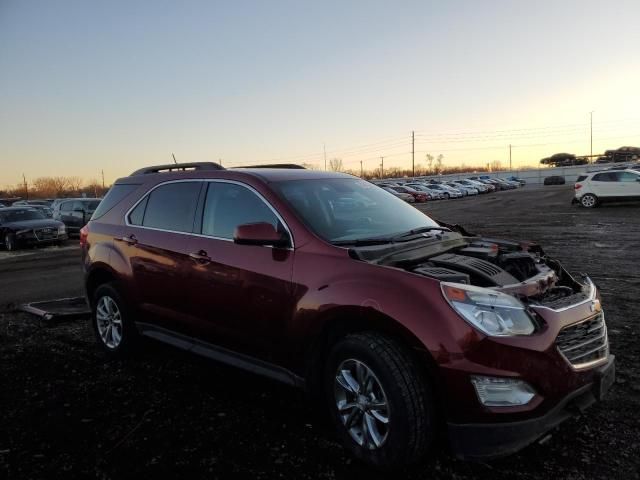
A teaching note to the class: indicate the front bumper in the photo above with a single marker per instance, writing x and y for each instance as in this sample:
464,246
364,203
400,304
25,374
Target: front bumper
482,441
31,238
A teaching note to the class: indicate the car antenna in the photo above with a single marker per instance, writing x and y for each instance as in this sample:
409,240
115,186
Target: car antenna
174,159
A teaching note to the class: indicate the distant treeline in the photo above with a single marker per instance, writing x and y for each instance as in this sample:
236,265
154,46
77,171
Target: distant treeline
56,187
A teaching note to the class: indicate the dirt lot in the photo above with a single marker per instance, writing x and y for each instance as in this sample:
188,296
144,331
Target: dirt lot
67,413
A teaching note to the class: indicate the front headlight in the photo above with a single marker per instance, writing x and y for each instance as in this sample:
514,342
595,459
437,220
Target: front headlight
62,230
491,312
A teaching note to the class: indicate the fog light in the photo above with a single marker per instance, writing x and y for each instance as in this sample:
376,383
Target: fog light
502,392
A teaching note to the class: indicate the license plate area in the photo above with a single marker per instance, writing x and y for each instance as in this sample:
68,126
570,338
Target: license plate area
605,378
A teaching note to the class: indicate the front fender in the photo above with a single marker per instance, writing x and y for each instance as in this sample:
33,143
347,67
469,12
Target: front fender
365,291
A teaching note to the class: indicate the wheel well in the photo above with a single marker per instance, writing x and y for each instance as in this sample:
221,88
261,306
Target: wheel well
96,278
341,324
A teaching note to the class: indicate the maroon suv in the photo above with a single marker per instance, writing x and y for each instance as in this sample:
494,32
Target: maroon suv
409,330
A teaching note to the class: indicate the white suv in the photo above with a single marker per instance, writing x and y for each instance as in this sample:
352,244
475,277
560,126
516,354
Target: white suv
610,185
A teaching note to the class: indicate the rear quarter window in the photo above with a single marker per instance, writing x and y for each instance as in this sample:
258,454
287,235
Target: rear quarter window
114,196
581,178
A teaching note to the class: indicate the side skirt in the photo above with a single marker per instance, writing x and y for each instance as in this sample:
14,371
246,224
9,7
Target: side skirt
221,354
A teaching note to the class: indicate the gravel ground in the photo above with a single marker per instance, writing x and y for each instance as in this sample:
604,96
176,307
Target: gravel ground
68,413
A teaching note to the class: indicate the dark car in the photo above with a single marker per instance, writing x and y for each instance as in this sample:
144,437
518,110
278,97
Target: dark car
554,180
408,331
75,212
29,226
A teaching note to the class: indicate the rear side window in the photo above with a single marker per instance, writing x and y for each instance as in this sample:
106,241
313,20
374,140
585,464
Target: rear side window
605,177
581,178
172,206
229,205
115,194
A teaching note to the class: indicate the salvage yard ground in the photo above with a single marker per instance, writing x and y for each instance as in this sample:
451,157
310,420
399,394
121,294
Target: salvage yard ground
66,413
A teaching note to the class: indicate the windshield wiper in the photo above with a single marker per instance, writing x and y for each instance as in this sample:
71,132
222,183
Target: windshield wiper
403,237
419,230
361,242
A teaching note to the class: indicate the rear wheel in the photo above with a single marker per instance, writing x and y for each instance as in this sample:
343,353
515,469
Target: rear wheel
446,196
114,328
379,401
589,200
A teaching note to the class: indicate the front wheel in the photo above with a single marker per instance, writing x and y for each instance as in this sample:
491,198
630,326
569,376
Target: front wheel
446,196
9,242
589,200
379,401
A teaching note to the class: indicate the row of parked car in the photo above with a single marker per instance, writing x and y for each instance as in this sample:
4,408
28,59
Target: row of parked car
43,222
422,189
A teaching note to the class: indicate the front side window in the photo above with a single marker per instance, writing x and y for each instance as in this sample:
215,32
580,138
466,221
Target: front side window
228,205
627,177
172,206
66,206
346,209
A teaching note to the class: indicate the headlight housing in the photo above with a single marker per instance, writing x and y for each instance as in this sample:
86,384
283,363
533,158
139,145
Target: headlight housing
62,230
493,313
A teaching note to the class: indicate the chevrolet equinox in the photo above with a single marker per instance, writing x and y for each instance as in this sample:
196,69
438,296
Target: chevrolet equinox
409,331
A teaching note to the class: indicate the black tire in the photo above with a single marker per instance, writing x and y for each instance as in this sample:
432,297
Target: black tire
589,200
411,425
129,336
9,242
446,195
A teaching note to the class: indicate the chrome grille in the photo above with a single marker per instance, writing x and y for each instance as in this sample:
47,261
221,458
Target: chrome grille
585,343
48,233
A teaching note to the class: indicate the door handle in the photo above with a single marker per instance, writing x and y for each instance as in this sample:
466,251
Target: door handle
130,240
200,257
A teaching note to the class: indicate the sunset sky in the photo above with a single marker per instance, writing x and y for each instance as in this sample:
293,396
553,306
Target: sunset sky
116,85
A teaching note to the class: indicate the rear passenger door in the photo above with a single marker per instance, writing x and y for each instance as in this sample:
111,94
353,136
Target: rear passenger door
240,294
156,242
605,184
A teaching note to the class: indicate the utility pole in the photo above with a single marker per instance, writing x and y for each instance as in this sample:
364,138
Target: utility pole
220,161
381,167
174,159
591,129
361,171
413,153
510,158
26,188
102,171
324,149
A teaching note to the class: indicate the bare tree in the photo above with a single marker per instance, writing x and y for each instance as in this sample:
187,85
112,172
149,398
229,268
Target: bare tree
429,158
495,165
439,163
335,164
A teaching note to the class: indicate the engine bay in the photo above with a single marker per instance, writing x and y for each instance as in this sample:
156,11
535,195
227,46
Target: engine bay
520,269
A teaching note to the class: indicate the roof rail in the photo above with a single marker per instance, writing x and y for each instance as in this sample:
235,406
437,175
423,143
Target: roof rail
172,167
275,165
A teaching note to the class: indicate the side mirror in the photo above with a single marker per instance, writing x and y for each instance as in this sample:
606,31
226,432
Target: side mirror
260,233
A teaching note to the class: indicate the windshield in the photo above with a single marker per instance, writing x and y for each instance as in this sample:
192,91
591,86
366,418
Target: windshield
20,215
343,209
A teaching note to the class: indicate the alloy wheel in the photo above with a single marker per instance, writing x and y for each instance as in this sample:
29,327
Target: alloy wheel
8,242
362,404
588,201
109,322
